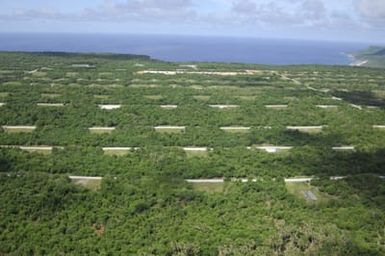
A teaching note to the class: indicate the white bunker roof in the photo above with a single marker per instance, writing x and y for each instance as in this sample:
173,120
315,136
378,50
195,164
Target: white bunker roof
304,127
356,106
30,127
50,104
344,148
202,149
273,149
205,180
169,127
84,178
277,106
36,147
235,128
219,180
2,104
379,126
102,128
109,106
168,106
119,148
224,106
327,106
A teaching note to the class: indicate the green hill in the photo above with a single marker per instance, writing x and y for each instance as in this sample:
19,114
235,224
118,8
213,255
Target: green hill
374,56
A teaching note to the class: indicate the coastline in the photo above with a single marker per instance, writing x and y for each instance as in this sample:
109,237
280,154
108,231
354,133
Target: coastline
356,62
262,51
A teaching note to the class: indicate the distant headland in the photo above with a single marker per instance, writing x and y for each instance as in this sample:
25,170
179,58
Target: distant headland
373,56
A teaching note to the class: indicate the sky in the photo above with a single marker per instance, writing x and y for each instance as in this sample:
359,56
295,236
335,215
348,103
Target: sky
335,20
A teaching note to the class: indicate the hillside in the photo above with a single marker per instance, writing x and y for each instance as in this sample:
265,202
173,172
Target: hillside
374,56
126,155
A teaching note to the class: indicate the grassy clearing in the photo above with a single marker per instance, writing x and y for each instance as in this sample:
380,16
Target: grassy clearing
39,74
202,97
302,190
170,129
4,94
379,93
247,97
193,152
93,185
103,97
72,74
154,97
50,95
12,83
210,188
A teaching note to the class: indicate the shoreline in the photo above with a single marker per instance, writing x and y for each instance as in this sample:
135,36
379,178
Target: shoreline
359,63
355,62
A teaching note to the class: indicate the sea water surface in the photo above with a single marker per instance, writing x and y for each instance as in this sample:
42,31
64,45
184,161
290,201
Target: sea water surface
189,48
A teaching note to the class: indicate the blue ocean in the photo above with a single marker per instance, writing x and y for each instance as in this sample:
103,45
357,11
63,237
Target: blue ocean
190,48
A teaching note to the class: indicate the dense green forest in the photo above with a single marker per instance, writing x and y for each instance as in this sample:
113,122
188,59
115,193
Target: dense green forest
143,205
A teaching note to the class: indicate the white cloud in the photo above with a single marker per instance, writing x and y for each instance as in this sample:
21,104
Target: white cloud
372,11
226,16
244,7
313,9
